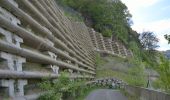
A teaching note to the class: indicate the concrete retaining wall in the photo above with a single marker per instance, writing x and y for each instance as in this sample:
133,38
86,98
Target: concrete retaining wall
37,40
146,94
106,45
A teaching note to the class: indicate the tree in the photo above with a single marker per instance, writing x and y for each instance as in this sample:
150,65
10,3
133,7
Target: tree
167,37
149,41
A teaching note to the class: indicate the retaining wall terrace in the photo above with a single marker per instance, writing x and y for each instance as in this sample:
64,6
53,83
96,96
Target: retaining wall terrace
108,45
37,40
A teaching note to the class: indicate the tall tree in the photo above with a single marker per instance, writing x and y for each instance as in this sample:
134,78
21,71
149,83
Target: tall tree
149,41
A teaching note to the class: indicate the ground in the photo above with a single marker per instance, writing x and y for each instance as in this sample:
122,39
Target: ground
106,94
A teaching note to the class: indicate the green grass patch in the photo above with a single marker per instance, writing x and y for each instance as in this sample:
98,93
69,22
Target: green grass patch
130,79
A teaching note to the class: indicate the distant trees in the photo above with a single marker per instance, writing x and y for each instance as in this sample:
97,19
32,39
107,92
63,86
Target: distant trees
149,41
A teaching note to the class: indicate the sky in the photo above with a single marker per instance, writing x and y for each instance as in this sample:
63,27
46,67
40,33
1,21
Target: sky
151,15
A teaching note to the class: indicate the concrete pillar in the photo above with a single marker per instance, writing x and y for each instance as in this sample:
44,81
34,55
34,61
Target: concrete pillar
17,40
6,35
125,51
13,62
10,37
21,84
10,85
118,48
54,68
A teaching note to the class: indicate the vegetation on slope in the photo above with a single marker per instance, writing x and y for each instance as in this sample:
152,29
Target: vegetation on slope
105,16
128,70
109,18
163,82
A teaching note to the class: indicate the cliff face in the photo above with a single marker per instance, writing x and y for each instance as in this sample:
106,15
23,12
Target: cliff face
38,40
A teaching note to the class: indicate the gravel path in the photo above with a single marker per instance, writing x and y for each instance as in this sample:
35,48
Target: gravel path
106,94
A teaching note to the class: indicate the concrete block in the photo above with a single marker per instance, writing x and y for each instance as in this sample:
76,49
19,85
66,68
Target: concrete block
11,38
21,84
10,85
15,87
51,54
55,69
17,40
9,16
13,62
6,34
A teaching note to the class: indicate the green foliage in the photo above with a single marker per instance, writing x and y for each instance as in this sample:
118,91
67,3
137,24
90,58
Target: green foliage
137,71
63,88
164,72
106,16
99,60
149,58
133,71
167,37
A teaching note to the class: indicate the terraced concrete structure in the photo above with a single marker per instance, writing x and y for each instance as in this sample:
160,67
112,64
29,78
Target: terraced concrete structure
108,45
37,40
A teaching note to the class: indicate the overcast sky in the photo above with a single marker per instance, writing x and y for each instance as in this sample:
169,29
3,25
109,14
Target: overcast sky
151,15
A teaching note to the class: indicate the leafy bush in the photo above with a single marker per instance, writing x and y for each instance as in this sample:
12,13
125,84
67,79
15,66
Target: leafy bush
63,88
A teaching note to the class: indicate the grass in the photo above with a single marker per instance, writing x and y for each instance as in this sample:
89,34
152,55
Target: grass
119,68
128,78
